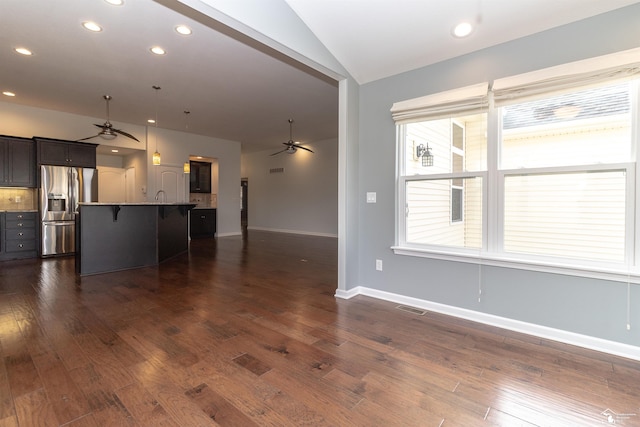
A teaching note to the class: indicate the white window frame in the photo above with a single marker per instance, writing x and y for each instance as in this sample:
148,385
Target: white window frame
402,219
460,152
492,252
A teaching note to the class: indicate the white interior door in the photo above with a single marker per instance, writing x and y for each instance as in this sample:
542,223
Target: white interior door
111,185
171,180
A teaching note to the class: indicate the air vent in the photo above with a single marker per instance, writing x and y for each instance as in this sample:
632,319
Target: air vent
411,310
276,170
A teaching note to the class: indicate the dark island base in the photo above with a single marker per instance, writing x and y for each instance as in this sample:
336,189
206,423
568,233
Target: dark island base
124,236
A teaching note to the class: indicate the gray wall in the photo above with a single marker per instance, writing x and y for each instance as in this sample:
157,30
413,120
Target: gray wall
303,199
591,307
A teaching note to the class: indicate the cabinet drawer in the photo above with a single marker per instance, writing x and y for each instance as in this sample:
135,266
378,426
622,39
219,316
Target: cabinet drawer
20,216
20,245
20,234
20,224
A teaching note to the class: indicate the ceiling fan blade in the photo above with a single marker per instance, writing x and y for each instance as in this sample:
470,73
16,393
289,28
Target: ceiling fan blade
304,148
102,126
278,152
128,135
89,137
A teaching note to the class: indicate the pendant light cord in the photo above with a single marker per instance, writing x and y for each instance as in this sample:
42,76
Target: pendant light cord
157,89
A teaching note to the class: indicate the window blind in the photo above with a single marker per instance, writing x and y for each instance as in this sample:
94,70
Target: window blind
456,102
567,77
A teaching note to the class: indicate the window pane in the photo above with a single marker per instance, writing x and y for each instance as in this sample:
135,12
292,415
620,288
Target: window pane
430,206
457,166
457,204
586,127
441,136
457,132
571,215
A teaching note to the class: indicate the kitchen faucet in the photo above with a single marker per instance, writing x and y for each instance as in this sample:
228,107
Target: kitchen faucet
163,195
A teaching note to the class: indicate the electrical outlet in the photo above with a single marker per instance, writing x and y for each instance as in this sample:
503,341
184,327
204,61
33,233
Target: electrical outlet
371,197
18,199
379,264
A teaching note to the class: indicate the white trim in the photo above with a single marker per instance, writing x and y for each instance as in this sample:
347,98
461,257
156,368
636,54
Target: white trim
302,232
239,233
585,341
347,294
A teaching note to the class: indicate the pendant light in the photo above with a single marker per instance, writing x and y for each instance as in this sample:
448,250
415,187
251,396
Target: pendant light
186,168
156,154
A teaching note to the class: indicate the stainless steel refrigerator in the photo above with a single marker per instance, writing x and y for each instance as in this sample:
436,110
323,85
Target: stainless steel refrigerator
61,189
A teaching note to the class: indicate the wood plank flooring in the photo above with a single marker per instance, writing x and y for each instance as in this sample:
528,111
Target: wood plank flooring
245,331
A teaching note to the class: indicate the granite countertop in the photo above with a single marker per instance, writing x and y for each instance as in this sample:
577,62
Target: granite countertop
137,204
18,210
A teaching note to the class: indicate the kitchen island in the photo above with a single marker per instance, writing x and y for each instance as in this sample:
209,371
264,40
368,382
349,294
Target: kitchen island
120,236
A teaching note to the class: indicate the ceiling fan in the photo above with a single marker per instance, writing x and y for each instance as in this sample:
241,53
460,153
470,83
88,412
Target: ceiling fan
107,131
292,146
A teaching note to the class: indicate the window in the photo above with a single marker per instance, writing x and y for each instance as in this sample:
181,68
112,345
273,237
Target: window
558,199
444,201
554,184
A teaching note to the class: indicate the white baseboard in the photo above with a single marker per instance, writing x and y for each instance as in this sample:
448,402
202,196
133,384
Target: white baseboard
305,233
238,233
585,341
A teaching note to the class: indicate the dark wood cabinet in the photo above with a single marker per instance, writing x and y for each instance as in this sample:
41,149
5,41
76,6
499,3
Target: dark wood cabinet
17,162
19,235
65,153
203,223
200,177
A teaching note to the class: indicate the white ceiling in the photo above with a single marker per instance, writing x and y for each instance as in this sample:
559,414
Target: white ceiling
233,90
374,39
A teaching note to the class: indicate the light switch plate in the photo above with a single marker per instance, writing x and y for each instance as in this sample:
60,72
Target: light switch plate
371,197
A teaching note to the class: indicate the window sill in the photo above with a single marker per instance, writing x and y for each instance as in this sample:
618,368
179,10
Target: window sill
603,273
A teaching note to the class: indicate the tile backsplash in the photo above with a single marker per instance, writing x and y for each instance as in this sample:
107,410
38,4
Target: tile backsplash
204,200
18,199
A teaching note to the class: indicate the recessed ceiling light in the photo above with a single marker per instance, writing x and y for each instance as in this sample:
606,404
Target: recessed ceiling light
184,30
158,50
463,29
115,2
92,26
7,93
151,121
23,51
114,151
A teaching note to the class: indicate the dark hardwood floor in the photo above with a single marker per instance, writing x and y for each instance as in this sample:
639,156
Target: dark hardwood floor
247,332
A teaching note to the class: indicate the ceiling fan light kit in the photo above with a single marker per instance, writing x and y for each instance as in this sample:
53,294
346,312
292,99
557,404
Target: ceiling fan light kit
107,131
292,146
107,134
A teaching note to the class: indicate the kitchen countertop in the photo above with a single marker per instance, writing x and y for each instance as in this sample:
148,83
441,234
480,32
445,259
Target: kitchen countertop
18,210
136,204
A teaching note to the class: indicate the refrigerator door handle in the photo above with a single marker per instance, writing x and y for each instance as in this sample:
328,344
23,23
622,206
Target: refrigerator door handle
71,207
